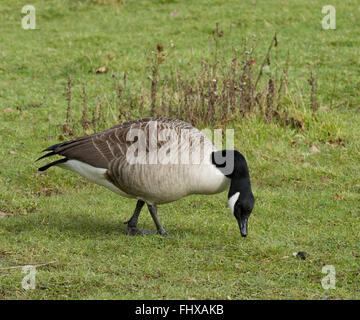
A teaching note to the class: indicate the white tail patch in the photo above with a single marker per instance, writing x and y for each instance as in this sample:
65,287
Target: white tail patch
232,200
93,174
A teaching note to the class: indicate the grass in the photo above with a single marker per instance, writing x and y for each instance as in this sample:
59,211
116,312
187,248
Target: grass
305,200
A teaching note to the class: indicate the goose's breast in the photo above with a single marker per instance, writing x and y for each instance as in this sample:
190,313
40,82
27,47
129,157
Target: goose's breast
166,183
154,183
207,179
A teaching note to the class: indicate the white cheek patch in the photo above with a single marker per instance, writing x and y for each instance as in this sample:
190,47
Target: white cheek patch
232,200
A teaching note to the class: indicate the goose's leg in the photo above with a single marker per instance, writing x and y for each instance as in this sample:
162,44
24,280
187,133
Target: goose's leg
132,228
153,212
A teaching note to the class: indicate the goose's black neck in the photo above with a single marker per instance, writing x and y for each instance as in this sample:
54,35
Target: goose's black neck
233,165
241,185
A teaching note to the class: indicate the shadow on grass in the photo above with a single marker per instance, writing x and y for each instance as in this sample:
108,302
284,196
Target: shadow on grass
81,225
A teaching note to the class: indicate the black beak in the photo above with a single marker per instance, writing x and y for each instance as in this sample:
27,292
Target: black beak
243,225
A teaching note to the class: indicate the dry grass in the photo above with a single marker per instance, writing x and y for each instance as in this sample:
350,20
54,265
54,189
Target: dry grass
221,91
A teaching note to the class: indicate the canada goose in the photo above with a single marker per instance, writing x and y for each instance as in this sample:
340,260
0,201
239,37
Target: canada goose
134,159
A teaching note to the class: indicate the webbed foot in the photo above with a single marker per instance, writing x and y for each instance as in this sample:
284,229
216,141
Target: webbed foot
135,231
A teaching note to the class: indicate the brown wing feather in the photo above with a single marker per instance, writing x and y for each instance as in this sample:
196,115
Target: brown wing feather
100,149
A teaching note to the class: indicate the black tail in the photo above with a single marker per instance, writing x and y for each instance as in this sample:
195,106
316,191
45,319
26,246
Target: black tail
53,147
63,148
49,154
52,163
46,155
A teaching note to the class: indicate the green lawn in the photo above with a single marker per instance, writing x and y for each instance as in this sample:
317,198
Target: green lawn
307,199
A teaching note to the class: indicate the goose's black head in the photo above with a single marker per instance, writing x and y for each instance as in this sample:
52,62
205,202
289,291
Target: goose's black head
241,199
